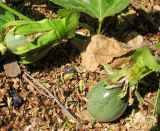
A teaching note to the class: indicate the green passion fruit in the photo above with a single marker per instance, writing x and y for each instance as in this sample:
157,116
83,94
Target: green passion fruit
104,104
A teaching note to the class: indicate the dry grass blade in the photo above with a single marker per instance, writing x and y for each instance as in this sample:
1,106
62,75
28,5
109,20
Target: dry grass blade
44,91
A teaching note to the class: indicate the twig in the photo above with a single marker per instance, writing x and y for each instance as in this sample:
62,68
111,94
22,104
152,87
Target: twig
26,79
37,84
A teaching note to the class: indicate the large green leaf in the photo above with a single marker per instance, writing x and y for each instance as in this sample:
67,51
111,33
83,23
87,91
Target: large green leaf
5,17
95,8
30,36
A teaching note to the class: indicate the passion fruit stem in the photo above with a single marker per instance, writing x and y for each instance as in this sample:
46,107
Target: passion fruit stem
14,12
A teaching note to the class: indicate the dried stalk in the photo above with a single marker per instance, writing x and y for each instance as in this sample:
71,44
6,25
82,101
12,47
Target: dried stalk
39,87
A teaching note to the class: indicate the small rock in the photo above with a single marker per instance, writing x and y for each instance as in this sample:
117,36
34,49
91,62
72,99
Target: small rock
11,67
69,70
16,99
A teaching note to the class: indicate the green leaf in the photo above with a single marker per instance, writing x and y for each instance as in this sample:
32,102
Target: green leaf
81,85
69,17
72,18
96,8
143,55
36,26
144,63
32,40
21,44
6,17
35,56
1,36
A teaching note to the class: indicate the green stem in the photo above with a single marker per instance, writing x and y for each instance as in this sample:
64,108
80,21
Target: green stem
155,104
99,27
14,12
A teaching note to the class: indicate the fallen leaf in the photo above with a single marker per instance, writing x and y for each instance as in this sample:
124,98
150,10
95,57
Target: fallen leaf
2,94
134,40
139,118
102,50
120,62
86,116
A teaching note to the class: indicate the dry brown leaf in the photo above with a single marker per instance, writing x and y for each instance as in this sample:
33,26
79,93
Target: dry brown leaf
120,62
2,94
134,40
102,50
139,118
85,115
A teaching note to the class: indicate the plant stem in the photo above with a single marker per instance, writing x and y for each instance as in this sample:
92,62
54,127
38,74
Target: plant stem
14,12
99,27
155,104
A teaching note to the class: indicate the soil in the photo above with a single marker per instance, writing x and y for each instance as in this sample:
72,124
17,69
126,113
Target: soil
23,108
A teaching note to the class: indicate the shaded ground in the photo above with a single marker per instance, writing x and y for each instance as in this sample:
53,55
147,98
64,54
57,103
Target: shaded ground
36,112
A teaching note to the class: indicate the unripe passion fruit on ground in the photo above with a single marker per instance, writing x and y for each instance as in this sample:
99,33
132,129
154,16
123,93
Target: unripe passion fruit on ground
105,104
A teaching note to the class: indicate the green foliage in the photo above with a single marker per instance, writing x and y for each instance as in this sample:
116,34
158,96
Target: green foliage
23,38
32,40
144,55
7,8
35,55
144,63
71,22
5,17
95,8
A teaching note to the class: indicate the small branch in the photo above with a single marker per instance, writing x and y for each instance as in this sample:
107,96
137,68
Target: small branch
37,84
156,100
35,87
